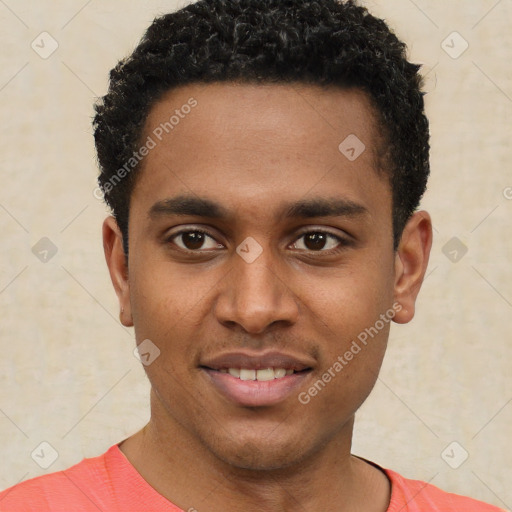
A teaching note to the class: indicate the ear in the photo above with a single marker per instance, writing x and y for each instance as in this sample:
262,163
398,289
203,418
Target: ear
411,262
116,262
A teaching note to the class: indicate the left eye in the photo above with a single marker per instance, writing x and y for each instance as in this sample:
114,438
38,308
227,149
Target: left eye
318,241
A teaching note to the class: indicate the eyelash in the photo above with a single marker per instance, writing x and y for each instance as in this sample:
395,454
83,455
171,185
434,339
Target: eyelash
342,241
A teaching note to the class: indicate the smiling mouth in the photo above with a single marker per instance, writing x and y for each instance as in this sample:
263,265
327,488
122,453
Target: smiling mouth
261,375
257,387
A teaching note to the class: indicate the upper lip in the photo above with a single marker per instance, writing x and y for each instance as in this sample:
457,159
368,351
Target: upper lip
258,361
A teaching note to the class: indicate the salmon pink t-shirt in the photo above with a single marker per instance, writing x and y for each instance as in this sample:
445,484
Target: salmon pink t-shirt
109,483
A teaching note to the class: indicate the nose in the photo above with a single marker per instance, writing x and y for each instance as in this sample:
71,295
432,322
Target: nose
256,295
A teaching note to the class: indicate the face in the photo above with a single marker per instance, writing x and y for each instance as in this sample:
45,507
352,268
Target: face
256,243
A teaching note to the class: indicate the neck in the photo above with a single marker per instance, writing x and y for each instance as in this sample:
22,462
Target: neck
182,469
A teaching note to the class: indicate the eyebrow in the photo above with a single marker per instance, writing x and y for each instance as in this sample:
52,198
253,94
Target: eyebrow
306,208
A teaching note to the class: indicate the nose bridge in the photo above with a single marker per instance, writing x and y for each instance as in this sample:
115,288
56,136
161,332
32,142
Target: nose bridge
257,280
255,295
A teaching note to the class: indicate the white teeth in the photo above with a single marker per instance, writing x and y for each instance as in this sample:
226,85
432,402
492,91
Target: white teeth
260,375
247,374
235,372
266,374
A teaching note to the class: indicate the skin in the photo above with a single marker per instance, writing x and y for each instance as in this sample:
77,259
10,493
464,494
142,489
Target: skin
255,149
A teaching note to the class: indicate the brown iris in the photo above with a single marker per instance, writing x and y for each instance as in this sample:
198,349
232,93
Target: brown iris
193,240
315,241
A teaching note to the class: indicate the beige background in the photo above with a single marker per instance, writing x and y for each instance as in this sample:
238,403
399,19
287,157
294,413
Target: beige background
67,373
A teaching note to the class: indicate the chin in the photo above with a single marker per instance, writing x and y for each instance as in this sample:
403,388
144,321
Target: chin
265,452
259,458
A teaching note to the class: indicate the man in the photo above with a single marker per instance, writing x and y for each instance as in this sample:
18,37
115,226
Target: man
264,161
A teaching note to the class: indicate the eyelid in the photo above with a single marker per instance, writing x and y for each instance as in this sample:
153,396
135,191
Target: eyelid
325,231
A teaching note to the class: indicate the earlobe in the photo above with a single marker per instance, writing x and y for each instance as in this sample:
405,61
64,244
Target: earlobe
116,262
411,262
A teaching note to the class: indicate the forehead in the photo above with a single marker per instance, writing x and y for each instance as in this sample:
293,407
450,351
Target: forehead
250,141
254,112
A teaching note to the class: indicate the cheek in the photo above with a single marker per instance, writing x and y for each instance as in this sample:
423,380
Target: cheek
158,307
349,367
171,307
357,337
350,301
355,311
162,294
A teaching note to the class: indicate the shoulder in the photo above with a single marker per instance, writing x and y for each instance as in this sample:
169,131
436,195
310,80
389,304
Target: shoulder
84,484
417,496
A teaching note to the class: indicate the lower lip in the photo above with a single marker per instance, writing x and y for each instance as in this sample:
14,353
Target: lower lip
254,393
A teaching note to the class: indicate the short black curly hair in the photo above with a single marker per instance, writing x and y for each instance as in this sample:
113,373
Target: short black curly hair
316,42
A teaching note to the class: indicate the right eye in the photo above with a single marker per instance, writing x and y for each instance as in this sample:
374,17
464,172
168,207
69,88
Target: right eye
192,240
